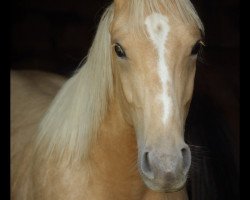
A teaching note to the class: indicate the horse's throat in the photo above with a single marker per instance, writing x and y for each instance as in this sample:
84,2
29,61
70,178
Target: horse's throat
114,154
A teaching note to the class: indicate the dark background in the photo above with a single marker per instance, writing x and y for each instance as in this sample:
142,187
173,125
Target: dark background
56,35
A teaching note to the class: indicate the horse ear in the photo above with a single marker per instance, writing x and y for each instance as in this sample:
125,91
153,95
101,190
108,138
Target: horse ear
119,3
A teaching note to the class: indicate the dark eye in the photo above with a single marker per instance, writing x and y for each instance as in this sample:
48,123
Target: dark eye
196,48
119,51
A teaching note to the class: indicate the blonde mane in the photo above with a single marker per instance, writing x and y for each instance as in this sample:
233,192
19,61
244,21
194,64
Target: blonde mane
73,119
77,111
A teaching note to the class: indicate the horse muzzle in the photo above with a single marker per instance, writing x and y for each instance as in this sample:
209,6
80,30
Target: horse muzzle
165,171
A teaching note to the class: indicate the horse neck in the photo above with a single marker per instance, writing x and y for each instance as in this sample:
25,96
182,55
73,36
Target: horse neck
115,147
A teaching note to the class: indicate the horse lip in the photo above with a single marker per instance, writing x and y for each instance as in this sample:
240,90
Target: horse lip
177,189
165,189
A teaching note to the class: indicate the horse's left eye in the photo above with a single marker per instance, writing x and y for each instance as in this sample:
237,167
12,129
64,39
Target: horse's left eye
119,51
196,48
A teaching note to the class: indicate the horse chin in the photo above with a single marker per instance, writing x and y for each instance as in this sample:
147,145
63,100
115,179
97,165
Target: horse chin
166,188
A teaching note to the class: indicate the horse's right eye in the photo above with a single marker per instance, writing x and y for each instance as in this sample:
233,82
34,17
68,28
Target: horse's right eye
119,51
196,48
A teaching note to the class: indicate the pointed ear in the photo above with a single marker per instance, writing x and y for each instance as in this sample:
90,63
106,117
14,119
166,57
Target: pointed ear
119,3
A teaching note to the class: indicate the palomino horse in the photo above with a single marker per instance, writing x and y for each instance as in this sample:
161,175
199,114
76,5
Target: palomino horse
116,128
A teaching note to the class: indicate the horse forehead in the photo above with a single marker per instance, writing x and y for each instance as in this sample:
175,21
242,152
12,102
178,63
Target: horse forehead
157,27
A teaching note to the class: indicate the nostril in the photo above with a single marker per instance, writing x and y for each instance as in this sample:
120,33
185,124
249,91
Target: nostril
145,166
186,155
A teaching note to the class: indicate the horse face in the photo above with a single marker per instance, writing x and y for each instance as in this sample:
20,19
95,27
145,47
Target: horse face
155,73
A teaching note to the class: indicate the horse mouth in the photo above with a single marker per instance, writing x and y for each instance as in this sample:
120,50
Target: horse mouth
166,187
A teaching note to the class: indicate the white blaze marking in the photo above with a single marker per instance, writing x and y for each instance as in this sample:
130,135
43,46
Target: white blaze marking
158,29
